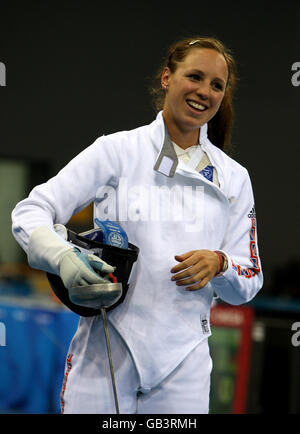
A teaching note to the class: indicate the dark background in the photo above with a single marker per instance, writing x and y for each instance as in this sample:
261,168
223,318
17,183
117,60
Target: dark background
77,70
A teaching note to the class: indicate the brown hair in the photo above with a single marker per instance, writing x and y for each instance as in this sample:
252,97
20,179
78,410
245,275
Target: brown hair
220,126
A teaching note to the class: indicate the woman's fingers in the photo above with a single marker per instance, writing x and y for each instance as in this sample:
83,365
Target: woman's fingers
190,280
196,268
187,273
199,285
186,260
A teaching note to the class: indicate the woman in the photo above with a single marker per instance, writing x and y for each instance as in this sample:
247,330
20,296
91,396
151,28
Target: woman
190,209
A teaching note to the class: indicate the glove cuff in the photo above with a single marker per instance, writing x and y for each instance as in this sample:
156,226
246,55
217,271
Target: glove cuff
45,249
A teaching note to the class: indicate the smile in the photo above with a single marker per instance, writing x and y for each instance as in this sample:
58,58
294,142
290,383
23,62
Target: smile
196,105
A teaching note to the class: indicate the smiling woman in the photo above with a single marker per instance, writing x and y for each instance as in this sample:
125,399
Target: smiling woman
203,53
190,210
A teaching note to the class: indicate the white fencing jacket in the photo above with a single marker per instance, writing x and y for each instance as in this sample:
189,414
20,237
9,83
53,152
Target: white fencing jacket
167,208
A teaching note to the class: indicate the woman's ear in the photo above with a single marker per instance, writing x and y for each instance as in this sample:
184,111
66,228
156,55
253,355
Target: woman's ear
165,78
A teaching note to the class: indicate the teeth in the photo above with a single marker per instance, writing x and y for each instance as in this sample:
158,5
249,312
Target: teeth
196,105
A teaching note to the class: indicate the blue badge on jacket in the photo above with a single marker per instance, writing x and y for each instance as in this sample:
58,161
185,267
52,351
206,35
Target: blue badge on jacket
208,172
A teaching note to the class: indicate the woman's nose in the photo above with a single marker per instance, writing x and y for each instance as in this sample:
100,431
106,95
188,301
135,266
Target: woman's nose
203,90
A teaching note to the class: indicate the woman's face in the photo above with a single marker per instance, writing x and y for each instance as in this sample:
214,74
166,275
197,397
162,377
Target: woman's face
195,90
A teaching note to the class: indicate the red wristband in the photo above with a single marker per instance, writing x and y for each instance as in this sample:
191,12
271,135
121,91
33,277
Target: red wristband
221,259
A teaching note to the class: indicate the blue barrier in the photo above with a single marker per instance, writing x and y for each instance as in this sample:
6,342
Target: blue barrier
33,358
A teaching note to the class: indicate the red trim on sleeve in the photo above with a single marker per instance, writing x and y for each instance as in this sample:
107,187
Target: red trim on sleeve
250,272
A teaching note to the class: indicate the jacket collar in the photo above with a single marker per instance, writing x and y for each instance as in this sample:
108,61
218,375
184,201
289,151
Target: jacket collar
167,160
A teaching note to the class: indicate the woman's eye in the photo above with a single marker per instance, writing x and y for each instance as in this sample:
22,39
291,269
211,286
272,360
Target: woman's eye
218,86
194,76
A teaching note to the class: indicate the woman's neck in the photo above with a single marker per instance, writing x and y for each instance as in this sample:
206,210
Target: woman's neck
182,138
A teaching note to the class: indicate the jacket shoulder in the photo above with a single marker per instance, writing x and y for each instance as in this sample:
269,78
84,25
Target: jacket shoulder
127,144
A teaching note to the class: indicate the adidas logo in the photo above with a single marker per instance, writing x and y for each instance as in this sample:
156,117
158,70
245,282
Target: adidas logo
252,214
